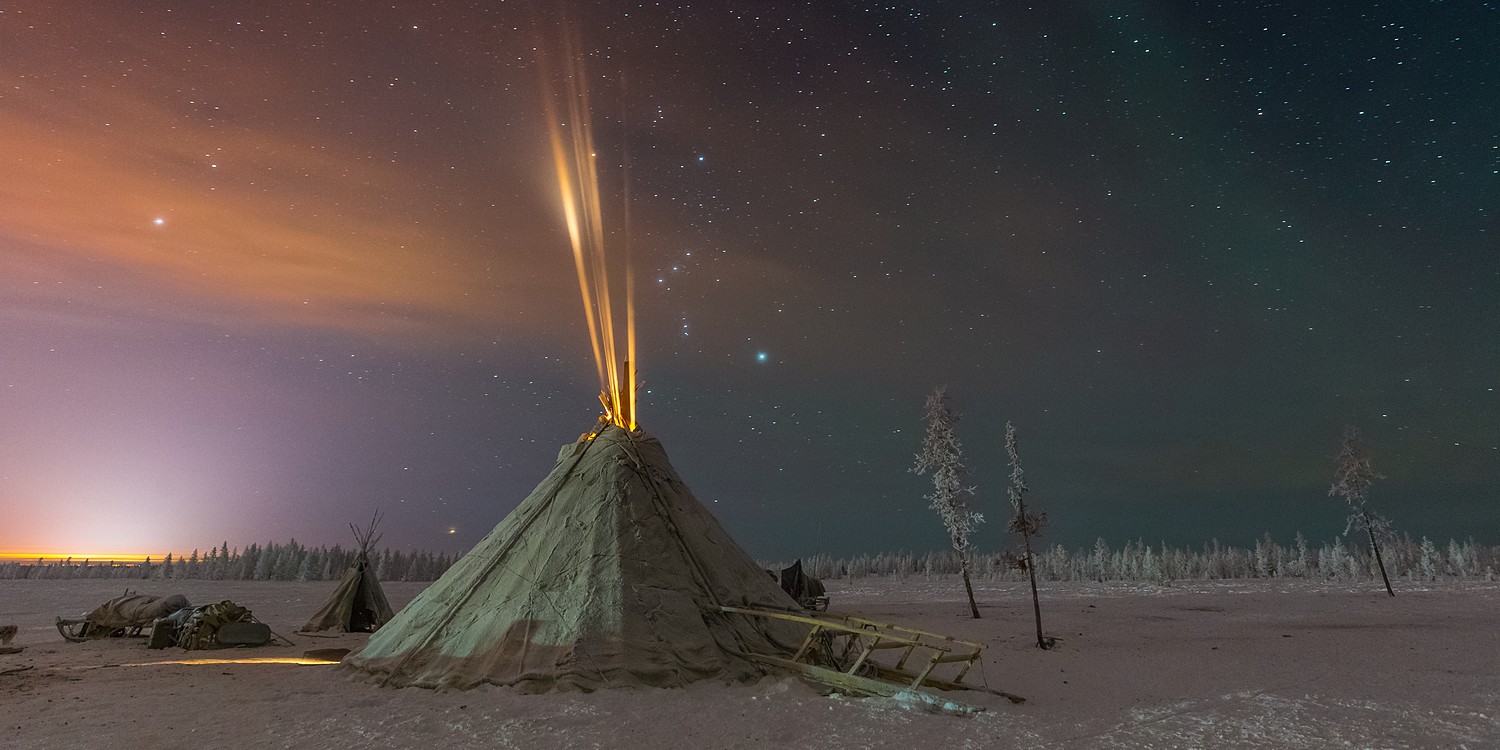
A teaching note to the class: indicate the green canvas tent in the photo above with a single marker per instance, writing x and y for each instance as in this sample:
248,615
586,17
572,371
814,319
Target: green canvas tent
610,573
358,605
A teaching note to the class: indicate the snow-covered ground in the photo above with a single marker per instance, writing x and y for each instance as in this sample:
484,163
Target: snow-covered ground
1272,664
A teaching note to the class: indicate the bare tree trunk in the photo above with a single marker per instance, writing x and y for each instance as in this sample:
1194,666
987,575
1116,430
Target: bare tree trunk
1036,602
963,566
1378,560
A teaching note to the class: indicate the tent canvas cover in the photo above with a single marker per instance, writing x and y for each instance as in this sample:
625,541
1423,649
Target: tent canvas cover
610,573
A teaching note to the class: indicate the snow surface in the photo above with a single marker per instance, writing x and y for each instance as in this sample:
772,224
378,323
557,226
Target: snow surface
1239,664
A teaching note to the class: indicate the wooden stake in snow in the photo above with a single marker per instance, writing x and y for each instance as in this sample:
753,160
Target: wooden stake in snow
1352,482
943,457
1027,525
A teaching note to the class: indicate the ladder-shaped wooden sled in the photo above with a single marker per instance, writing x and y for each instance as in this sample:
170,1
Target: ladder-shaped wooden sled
839,649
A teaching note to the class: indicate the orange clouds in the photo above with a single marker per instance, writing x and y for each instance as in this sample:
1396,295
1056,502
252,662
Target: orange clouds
266,221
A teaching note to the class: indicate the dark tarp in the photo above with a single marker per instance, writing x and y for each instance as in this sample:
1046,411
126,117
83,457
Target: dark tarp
799,585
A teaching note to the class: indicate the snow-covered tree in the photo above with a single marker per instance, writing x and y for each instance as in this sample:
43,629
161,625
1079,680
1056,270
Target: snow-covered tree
1305,560
264,562
1351,481
942,457
1027,524
1458,559
305,568
288,562
1429,560
1267,557
1152,569
1100,561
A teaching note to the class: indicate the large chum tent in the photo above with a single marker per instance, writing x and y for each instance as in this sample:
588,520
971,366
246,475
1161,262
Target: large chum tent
608,574
358,604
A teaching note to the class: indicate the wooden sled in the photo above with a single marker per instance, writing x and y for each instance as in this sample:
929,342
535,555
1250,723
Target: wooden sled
839,651
122,617
80,631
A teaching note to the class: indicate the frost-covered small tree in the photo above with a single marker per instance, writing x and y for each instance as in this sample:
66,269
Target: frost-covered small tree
305,568
1429,560
1152,568
1305,558
1027,524
1100,559
265,562
1352,481
943,458
1265,554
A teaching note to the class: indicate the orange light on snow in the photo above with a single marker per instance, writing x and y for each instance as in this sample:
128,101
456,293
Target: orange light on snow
300,661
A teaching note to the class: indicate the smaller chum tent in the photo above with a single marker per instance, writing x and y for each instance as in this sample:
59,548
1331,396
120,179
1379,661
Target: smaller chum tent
358,605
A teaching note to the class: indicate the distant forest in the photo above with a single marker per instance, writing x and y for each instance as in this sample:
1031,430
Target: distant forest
272,562
1340,559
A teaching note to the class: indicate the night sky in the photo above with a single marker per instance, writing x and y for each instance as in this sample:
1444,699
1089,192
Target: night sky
267,267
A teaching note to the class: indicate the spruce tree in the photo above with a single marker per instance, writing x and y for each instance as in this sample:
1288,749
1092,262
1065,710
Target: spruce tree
1352,481
943,457
1027,524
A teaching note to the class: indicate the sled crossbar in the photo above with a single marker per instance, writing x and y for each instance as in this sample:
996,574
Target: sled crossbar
864,637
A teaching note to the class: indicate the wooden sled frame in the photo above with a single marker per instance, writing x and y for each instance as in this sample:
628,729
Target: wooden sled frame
85,630
865,637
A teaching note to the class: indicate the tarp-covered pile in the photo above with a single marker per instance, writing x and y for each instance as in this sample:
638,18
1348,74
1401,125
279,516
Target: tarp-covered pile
220,625
120,616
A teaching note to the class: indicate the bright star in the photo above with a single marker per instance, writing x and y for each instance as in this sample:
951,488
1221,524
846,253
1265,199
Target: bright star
760,357
158,221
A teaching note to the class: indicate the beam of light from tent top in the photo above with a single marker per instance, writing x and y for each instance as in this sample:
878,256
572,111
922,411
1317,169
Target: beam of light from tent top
574,159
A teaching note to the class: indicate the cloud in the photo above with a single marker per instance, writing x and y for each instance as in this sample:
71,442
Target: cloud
270,223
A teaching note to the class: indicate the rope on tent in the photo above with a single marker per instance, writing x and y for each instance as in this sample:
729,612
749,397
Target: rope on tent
538,587
666,515
494,563
664,509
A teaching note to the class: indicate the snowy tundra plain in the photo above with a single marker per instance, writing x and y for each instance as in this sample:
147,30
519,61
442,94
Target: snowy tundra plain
1232,664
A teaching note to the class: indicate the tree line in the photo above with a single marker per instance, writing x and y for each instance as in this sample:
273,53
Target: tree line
1337,559
1340,559
272,562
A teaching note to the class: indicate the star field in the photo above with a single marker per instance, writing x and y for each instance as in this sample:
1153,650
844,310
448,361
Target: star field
268,267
